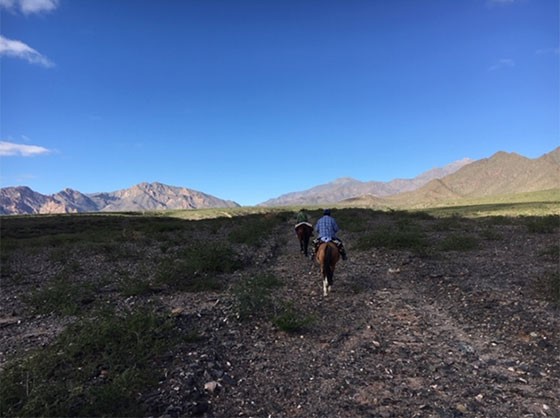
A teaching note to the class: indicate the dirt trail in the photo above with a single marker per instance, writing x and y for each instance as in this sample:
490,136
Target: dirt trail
389,342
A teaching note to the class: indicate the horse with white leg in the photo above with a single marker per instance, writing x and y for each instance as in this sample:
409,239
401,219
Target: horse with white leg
327,255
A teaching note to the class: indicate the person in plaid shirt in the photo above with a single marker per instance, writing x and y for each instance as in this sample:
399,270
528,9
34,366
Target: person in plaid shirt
327,228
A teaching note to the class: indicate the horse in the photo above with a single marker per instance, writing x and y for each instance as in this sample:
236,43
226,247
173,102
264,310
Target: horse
304,230
327,256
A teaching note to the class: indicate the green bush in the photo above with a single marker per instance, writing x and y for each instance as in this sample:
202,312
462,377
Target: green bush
61,296
354,220
289,319
449,223
253,296
219,257
96,367
135,286
490,234
456,242
543,224
403,236
197,267
251,230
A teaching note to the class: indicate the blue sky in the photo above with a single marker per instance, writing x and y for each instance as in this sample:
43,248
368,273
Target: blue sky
248,100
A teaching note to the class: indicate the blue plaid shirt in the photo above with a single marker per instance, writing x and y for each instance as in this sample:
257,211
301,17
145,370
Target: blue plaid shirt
326,228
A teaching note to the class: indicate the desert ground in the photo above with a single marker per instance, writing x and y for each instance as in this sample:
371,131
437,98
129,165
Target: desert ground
428,317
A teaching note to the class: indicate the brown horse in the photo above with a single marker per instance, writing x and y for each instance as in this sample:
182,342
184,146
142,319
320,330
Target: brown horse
327,256
304,231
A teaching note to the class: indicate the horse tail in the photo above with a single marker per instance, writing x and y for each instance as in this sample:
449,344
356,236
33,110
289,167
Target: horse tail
306,237
327,269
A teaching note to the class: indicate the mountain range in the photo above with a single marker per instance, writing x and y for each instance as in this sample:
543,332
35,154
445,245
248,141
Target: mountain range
501,174
141,197
346,188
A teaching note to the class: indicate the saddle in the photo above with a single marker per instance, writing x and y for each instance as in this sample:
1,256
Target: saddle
303,223
335,241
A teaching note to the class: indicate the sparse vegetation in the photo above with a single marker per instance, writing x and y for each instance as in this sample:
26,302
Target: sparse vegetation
459,242
255,294
548,287
95,368
61,296
135,285
449,223
252,229
196,267
543,225
552,253
353,220
403,235
290,319
491,234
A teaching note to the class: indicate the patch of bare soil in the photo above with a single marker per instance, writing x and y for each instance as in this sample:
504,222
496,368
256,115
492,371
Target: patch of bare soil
449,335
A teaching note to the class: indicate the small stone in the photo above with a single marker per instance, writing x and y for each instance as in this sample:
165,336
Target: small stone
177,311
211,387
462,408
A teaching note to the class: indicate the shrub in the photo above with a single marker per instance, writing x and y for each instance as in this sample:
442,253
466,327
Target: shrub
490,234
500,220
548,287
61,296
456,242
551,253
354,220
543,224
95,368
449,223
254,228
291,320
211,258
253,296
403,236
134,286
197,266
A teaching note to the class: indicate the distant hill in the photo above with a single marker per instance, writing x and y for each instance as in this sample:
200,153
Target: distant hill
143,196
347,188
501,174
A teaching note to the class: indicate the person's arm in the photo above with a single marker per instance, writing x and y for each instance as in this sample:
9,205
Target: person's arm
317,226
335,226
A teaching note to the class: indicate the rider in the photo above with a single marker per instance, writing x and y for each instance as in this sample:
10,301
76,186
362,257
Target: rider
302,217
327,228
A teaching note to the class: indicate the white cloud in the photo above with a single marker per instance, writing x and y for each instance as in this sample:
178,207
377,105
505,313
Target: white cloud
10,149
501,64
18,49
28,7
